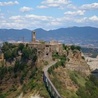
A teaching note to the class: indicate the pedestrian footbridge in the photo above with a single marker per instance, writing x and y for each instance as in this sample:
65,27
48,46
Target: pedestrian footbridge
53,91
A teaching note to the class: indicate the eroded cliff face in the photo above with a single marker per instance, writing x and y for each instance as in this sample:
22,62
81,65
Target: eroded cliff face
68,79
77,62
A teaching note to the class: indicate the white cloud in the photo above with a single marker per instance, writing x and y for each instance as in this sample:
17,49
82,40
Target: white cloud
90,6
94,18
26,9
74,13
54,3
42,6
36,17
81,20
32,21
71,6
15,17
9,3
29,21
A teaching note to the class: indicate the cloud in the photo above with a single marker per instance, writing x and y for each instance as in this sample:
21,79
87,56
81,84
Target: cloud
15,17
71,6
36,17
29,21
26,9
74,13
91,6
54,3
32,21
42,6
9,3
94,18
1,16
81,20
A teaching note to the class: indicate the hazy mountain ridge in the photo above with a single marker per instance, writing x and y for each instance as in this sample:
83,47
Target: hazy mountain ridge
66,35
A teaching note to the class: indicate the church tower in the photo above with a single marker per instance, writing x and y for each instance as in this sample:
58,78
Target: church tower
33,36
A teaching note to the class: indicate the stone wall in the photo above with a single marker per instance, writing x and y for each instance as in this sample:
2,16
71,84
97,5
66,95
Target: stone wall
44,51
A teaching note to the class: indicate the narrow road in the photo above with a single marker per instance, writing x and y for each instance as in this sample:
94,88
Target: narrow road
46,74
47,67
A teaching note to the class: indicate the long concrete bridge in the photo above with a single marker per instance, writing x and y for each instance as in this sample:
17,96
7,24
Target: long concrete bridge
48,82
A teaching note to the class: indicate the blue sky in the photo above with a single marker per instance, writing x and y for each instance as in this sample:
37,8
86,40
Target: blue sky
48,14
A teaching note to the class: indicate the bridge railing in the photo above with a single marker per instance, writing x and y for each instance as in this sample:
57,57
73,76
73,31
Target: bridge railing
50,86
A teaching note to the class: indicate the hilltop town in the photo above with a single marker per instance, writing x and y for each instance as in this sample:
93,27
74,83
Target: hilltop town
39,67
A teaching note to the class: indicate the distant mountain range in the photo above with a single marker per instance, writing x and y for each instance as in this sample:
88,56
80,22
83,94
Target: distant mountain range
76,35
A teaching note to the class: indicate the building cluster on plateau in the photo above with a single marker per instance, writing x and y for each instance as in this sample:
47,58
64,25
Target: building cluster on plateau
45,49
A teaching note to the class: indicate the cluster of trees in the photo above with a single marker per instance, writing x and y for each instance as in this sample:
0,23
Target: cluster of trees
12,51
61,62
73,47
30,54
90,90
64,47
9,51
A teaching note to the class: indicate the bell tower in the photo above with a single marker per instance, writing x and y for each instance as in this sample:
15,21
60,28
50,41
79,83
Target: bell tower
33,36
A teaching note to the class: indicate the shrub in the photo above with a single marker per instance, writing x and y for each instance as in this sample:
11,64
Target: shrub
73,47
21,46
64,47
90,90
2,95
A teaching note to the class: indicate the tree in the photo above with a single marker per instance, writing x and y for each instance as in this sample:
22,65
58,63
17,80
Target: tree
73,47
8,55
64,47
21,46
26,53
78,48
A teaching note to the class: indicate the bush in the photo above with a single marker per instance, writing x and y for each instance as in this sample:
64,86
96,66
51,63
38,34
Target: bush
83,57
21,46
64,47
2,95
55,55
73,47
90,90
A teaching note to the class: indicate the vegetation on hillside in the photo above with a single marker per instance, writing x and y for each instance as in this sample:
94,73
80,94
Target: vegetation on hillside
24,76
72,84
61,61
12,51
72,47
90,90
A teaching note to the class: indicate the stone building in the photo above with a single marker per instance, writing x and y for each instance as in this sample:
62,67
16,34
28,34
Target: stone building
45,49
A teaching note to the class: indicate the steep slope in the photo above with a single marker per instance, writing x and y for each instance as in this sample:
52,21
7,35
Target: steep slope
19,72
68,77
